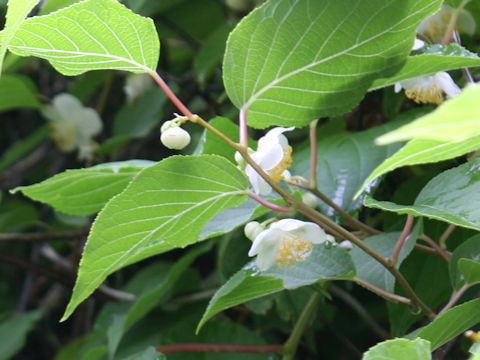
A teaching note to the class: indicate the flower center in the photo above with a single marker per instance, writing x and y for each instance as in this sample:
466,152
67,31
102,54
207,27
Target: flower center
292,250
426,95
276,173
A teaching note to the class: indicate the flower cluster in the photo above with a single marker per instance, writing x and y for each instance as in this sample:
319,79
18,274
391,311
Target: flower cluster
286,242
74,125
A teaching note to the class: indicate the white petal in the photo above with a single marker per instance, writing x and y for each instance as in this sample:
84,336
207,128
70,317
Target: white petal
287,225
446,83
269,155
311,232
259,185
264,241
397,87
418,44
274,135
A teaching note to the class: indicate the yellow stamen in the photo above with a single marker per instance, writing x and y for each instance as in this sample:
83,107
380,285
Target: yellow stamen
426,95
285,163
292,250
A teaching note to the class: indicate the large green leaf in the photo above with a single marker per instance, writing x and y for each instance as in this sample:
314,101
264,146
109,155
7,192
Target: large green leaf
468,250
17,92
164,207
85,191
345,159
90,35
13,332
433,58
399,349
470,270
16,13
422,152
372,271
455,120
247,284
452,196
452,323
292,61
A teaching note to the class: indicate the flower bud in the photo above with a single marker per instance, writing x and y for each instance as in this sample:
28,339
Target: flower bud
175,138
252,229
346,244
310,200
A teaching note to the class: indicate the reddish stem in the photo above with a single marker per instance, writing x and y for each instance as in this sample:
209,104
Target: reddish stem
226,348
441,252
242,119
268,204
403,237
171,95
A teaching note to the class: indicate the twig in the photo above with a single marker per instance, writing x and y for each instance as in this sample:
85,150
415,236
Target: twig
381,292
313,154
225,348
35,237
291,344
354,222
454,299
268,204
403,238
441,252
445,235
360,310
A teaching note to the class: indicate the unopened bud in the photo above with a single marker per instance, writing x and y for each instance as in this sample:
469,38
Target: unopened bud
252,229
175,138
346,244
310,200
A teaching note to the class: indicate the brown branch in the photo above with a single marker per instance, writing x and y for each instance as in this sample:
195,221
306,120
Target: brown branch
438,250
36,237
226,348
403,238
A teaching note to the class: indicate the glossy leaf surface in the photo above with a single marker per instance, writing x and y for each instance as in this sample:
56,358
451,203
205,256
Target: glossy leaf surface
290,62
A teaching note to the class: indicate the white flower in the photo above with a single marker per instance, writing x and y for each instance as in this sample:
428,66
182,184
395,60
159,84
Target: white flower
73,125
434,27
286,242
418,44
175,138
429,88
274,156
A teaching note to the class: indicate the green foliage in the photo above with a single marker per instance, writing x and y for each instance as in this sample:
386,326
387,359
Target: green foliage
177,196
452,323
17,92
275,69
121,40
430,59
438,124
399,349
85,191
466,272
450,197
13,332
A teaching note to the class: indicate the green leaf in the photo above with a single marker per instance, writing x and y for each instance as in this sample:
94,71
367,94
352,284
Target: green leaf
456,119
418,152
371,270
23,147
163,208
54,5
345,159
13,332
16,213
16,13
211,144
290,62
148,300
452,323
399,349
139,118
451,196
148,354
433,58
84,191
468,250
90,35
16,92
470,270
249,283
